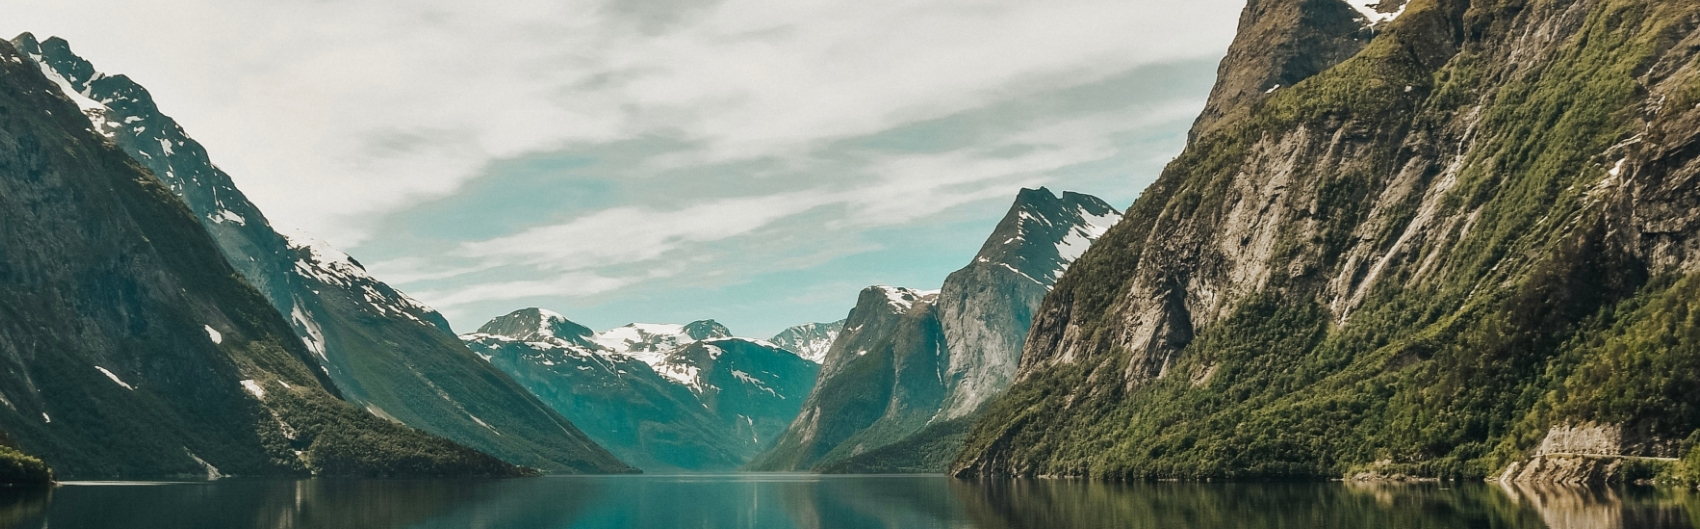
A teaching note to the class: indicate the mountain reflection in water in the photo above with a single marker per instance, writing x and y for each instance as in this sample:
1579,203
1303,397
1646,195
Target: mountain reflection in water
800,501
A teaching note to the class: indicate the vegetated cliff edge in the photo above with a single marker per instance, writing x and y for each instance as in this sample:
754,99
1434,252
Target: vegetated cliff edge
1443,255
129,348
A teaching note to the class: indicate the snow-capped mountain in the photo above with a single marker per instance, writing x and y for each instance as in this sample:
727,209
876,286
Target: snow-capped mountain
1042,234
809,340
384,351
911,368
662,396
653,341
988,306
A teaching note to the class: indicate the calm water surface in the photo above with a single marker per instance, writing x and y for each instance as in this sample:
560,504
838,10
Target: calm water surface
789,501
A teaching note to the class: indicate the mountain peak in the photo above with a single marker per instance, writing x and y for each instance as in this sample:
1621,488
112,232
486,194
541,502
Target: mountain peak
535,324
1042,233
809,340
900,298
706,330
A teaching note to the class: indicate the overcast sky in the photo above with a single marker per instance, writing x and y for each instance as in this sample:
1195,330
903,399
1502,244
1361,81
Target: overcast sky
757,163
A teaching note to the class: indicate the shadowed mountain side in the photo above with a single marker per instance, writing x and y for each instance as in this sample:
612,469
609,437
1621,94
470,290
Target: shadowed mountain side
131,347
384,351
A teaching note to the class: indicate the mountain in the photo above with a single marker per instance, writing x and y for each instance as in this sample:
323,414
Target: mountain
664,397
384,351
1449,238
809,340
131,347
912,369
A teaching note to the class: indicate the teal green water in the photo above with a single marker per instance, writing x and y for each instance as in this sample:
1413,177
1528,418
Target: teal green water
769,501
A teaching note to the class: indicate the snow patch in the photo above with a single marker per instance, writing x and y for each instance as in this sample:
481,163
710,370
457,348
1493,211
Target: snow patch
902,298
83,102
254,388
227,216
1367,9
685,375
482,423
214,335
114,378
753,381
314,339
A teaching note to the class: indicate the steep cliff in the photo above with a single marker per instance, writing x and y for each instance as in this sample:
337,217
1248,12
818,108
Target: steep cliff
1425,255
881,381
389,354
130,347
910,370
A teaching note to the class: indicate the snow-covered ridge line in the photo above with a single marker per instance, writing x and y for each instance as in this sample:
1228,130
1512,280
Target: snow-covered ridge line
655,345
904,298
333,267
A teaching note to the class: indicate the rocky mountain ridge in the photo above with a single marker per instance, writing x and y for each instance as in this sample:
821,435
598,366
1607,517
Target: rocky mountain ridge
386,352
133,349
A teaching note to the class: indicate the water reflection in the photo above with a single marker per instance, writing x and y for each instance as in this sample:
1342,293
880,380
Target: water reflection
789,501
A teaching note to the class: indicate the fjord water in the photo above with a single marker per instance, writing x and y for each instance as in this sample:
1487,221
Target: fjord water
793,501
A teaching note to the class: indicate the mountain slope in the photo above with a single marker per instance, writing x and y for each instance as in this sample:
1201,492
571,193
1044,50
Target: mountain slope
1442,252
132,349
664,397
384,351
910,370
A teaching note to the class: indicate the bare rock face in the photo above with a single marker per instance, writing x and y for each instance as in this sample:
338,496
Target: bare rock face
1448,213
911,368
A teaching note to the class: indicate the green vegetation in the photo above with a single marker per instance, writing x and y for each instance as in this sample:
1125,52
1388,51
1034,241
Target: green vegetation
18,468
1520,309
930,450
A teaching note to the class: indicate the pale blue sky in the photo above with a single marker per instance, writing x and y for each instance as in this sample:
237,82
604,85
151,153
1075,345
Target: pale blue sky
757,163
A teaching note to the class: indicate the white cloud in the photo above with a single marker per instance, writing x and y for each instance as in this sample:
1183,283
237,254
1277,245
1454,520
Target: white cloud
633,234
574,284
328,113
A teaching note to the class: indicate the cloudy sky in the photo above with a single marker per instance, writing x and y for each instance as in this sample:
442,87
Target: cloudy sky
755,162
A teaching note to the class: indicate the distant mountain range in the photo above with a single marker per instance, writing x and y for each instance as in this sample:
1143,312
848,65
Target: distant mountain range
663,397
912,369
379,349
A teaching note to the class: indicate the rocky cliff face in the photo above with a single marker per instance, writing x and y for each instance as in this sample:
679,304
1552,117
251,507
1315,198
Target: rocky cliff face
1446,233
663,397
391,355
987,307
882,380
911,368
132,349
